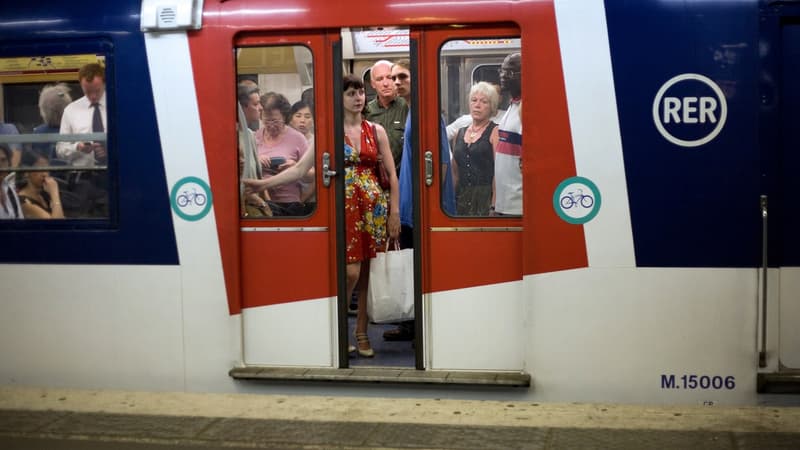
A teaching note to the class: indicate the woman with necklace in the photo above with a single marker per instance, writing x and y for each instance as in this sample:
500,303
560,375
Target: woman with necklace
367,215
279,148
474,154
38,191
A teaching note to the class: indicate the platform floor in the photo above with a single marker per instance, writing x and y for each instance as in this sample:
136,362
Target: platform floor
35,418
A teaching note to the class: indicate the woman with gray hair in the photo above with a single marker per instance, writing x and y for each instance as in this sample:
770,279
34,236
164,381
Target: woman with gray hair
52,101
474,153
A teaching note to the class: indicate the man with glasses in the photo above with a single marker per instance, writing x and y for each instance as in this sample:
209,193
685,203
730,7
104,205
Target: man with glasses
508,153
387,108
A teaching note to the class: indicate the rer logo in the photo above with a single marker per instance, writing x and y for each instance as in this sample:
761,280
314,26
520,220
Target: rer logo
690,110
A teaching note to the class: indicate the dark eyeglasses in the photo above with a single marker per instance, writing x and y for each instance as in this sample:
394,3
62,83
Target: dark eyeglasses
400,76
509,73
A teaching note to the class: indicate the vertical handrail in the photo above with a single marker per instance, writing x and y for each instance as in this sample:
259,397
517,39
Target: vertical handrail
762,355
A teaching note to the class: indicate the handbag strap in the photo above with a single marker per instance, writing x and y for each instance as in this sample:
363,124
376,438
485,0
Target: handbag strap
396,245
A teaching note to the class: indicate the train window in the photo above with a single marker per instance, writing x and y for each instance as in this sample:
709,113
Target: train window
475,106
53,137
276,130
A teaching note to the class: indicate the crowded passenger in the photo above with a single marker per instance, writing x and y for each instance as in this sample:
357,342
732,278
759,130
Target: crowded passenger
386,108
303,121
401,75
279,148
474,153
53,100
38,192
466,119
86,115
15,149
508,154
367,215
251,205
249,97
9,201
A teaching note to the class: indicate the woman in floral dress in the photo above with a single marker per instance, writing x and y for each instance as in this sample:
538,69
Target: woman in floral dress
367,214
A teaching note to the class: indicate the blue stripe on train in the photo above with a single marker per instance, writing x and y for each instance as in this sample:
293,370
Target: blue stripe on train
143,231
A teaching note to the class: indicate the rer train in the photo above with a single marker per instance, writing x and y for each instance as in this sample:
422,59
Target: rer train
655,259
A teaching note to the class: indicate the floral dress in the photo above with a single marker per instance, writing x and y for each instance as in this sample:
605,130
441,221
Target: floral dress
365,202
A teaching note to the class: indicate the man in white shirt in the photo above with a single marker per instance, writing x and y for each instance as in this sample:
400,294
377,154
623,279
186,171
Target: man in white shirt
86,115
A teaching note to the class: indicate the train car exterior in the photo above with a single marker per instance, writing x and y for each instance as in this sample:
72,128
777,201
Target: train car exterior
653,258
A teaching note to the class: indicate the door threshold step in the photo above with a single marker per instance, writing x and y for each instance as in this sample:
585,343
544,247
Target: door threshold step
383,375
787,381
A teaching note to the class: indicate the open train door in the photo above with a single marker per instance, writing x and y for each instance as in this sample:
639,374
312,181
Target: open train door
288,261
779,335
471,266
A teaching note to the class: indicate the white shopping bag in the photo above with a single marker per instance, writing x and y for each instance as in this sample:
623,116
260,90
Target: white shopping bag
390,297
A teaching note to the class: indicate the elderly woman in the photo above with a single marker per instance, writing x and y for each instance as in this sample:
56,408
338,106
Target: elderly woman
474,153
279,148
52,101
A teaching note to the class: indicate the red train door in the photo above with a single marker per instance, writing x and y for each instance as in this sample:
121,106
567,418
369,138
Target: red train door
288,251
471,264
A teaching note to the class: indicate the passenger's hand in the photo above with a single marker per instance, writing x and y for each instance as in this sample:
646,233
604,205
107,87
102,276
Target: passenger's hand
394,225
286,165
264,161
84,147
99,151
252,186
50,186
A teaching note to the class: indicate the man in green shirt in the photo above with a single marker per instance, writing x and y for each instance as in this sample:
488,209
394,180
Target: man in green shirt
387,108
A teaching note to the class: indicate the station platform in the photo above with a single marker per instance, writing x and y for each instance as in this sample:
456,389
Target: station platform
58,419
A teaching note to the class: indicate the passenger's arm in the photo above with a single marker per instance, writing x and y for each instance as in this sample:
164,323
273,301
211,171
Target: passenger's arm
384,150
289,175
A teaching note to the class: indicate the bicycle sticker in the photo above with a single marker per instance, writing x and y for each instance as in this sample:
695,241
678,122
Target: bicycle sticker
191,198
576,200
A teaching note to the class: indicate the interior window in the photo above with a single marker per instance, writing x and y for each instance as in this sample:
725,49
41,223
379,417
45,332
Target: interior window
275,116
54,150
474,106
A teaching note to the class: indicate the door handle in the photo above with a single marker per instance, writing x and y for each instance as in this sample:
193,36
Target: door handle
327,173
428,168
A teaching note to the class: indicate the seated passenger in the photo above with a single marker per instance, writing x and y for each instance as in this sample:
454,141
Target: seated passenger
279,148
52,101
38,191
9,202
474,154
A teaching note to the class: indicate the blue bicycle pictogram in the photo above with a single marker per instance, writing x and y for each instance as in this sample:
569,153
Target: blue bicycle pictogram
571,199
187,197
577,200
191,198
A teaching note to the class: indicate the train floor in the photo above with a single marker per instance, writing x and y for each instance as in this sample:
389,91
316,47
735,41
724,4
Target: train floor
387,353
60,419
